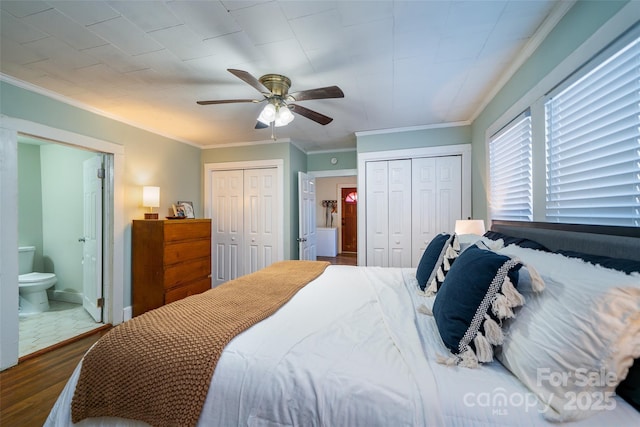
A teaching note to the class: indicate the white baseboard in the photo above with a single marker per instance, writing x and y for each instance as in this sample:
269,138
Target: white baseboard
66,296
127,313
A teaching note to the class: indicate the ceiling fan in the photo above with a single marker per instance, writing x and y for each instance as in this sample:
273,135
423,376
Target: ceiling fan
275,91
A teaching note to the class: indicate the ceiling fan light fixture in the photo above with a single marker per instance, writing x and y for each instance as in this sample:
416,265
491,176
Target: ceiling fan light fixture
268,114
283,117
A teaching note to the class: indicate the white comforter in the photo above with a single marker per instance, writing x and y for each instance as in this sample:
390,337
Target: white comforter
350,350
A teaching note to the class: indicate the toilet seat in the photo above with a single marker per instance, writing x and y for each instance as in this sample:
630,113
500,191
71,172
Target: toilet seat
35,277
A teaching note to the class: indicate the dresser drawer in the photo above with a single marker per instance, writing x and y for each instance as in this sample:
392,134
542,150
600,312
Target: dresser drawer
186,229
186,272
184,291
185,251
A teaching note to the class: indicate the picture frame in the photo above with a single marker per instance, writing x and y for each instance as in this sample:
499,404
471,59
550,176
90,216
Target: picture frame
187,209
178,211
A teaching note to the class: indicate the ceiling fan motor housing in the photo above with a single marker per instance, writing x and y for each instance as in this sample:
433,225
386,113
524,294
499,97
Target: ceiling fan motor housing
278,84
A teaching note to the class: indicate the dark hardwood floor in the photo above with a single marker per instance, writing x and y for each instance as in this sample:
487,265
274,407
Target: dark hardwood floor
29,389
342,259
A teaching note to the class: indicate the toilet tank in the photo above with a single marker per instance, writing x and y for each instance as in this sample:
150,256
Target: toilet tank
25,259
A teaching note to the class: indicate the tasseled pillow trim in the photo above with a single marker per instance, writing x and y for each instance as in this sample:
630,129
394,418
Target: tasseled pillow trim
449,253
423,309
537,284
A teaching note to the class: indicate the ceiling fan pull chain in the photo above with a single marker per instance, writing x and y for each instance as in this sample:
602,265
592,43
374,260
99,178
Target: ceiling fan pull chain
273,136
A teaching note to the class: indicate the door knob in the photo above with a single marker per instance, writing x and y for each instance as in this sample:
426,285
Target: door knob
82,240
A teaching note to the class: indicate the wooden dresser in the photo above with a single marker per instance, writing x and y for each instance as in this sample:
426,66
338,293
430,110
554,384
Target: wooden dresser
171,259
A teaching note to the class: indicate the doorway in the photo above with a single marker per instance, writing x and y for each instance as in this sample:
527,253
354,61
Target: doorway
329,187
114,225
349,220
52,218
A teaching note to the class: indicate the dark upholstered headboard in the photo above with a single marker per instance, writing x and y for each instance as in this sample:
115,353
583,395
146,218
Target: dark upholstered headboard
615,242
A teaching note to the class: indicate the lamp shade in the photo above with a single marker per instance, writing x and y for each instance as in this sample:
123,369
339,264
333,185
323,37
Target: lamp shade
268,114
284,117
470,226
151,197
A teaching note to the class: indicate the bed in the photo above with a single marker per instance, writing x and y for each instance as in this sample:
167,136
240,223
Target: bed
362,345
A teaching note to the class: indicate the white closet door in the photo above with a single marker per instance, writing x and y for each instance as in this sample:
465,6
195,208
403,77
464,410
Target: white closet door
377,206
423,207
260,222
400,229
227,225
449,193
437,199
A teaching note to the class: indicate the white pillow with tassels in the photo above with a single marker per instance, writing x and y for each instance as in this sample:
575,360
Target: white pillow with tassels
572,344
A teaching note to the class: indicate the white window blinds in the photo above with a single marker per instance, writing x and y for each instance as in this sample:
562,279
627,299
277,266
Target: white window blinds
593,145
510,171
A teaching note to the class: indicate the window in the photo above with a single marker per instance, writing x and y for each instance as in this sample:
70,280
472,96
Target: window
351,197
593,144
510,171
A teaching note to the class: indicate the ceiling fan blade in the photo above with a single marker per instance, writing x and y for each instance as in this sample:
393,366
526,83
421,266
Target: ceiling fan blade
226,101
250,80
320,93
260,125
310,114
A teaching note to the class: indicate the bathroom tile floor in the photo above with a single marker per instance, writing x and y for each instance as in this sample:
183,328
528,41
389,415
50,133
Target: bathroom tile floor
64,320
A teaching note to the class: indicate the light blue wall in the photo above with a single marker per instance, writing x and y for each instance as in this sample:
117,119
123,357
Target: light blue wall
431,137
322,161
30,200
580,23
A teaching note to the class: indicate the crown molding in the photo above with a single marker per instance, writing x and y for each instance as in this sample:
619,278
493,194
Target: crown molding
412,128
72,102
558,12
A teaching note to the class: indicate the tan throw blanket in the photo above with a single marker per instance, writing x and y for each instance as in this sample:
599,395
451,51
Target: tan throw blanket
157,367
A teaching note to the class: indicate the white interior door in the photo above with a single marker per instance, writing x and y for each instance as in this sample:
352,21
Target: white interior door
227,225
307,237
93,174
261,228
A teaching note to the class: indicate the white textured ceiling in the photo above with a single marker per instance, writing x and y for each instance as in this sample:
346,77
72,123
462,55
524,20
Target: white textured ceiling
399,63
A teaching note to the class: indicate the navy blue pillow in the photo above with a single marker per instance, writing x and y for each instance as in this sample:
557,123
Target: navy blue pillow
436,261
477,294
629,389
519,241
627,265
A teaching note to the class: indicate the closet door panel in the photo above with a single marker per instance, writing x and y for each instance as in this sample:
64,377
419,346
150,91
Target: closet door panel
423,218
377,206
449,193
261,229
400,213
227,228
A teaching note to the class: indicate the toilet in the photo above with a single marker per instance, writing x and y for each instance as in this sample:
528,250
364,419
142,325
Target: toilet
32,286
